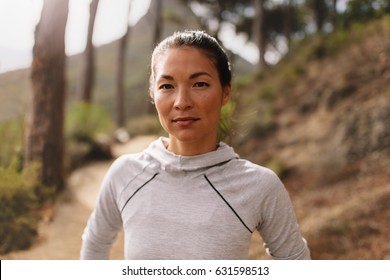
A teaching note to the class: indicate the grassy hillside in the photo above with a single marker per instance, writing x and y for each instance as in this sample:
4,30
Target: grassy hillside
321,120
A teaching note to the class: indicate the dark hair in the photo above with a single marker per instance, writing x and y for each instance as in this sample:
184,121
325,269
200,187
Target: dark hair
201,41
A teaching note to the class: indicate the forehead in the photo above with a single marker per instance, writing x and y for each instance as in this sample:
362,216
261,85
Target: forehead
183,60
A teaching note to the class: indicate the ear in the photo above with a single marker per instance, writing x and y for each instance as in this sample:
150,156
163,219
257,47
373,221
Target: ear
151,95
226,90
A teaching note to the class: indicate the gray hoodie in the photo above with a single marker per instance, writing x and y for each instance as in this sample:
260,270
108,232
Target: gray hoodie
191,207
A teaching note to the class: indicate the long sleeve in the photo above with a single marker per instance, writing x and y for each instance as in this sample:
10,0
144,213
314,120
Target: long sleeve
103,225
279,228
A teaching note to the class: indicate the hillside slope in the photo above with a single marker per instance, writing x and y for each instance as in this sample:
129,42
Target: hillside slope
330,142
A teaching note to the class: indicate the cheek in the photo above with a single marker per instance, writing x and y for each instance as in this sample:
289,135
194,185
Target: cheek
212,106
162,115
162,107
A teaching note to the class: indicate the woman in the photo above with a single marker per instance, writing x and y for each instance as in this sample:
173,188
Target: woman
190,196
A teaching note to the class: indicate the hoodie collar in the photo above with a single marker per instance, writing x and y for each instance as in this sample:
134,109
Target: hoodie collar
172,162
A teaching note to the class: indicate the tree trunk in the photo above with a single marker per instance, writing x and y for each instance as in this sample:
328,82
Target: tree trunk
258,32
44,129
334,14
158,29
89,66
158,24
120,91
320,14
289,14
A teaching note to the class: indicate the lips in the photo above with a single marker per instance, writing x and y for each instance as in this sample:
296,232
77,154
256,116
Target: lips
185,121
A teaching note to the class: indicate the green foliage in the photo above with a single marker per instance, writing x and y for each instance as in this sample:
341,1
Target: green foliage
278,166
365,10
325,45
85,121
267,92
262,122
18,199
338,38
11,138
225,121
242,82
88,130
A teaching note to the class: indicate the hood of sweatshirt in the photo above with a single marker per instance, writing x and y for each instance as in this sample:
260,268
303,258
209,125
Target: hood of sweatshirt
171,162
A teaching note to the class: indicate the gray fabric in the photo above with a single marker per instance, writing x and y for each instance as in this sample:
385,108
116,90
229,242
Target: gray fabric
198,207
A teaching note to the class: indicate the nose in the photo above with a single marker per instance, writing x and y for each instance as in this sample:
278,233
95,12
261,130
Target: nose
183,100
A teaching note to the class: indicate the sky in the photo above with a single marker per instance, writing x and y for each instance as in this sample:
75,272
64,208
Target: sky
18,19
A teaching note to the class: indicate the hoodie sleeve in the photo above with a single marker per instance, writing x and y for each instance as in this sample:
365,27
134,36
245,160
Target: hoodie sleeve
278,227
104,223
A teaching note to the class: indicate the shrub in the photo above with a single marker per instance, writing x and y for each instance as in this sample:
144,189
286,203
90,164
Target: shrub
225,121
11,136
278,166
88,130
85,122
18,199
267,93
243,82
263,121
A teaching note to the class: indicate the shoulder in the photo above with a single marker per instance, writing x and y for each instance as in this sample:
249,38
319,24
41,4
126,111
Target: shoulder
122,171
129,160
247,178
259,181
254,171
129,165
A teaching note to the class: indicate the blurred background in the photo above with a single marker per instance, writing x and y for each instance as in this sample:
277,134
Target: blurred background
311,101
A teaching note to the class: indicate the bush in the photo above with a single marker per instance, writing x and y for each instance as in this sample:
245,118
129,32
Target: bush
365,10
225,121
11,137
88,133
18,199
263,122
85,122
267,93
278,166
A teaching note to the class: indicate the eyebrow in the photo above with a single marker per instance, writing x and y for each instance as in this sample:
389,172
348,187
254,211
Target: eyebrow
193,76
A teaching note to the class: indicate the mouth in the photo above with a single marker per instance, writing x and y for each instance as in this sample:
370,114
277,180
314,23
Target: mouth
185,121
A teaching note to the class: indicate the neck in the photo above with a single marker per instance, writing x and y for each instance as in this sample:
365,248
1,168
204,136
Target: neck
190,148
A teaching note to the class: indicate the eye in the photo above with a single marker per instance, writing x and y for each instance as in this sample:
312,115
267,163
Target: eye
165,86
201,84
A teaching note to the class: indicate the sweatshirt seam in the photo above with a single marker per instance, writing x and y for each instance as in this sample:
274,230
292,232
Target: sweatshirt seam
227,203
143,185
130,180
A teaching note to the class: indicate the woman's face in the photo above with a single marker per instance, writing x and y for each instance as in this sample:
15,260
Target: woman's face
188,96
